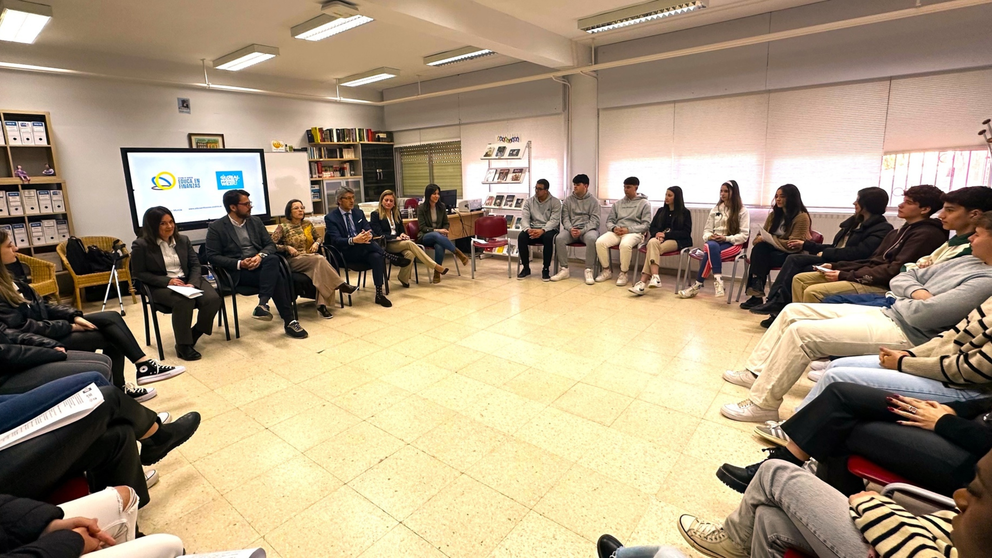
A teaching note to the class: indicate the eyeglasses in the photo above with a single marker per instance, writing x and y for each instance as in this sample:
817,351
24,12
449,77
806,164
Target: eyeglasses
246,204
539,189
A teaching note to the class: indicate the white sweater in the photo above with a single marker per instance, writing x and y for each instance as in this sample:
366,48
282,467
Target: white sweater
716,223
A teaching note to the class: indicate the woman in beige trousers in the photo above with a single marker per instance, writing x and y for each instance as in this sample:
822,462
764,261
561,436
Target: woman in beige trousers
387,223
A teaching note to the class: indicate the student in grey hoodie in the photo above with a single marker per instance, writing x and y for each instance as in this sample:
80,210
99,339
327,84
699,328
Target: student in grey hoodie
540,222
579,223
629,220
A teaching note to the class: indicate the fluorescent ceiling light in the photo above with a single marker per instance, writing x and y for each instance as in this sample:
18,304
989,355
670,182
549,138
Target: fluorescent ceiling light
373,76
457,55
640,13
248,56
324,26
31,68
21,22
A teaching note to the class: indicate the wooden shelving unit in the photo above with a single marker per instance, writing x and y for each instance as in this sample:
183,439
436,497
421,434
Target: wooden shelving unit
322,188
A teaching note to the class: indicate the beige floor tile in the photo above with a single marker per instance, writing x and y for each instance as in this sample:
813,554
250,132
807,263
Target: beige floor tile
593,403
466,519
538,385
590,504
382,362
692,485
538,537
625,381
213,527
451,331
571,365
404,481
562,433
336,382
664,427
353,451
492,370
706,352
716,442
504,411
322,422
306,365
411,418
460,442
208,403
187,490
242,461
269,500
416,376
343,524
694,373
219,432
454,358
659,526
457,392
218,375
401,541
368,399
685,398
632,461
281,405
521,471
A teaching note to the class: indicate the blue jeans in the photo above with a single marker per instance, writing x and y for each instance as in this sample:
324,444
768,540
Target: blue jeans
866,371
715,250
17,409
649,552
440,244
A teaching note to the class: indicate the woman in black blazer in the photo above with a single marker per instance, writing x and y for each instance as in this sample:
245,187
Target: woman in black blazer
432,218
160,258
387,223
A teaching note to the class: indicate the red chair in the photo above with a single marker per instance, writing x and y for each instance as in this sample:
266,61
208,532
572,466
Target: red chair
679,253
813,235
411,203
733,256
413,230
72,489
634,256
490,233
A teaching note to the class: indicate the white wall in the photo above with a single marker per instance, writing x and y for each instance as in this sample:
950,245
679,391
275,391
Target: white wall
92,119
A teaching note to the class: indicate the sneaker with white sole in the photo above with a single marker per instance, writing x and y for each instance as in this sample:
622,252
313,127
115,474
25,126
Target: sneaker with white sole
151,478
709,538
691,291
815,375
590,280
561,275
821,364
747,411
743,378
638,288
604,275
772,431
622,279
655,282
139,394
164,417
151,371
718,287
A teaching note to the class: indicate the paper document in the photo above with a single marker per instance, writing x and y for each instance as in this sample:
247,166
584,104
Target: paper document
67,412
247,553
772,240
188,292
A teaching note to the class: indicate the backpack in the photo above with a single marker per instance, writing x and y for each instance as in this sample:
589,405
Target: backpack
98,259
75,253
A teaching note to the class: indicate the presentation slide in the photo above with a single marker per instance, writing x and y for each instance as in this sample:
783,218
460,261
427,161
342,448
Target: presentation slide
192,183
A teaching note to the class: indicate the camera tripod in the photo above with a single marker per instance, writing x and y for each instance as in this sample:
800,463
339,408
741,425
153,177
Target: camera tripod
113,280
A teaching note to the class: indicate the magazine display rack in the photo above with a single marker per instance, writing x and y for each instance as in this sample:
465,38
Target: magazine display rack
508,180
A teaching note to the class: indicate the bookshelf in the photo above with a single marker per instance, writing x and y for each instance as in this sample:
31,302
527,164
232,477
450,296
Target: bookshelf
366,166
514,161
44,200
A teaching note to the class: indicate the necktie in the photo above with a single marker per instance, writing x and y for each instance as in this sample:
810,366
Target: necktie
351,225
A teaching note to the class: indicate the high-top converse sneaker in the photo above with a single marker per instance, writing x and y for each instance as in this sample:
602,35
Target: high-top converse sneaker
709,538
151,371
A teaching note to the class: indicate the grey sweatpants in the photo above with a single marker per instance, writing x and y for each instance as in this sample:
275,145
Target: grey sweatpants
565,237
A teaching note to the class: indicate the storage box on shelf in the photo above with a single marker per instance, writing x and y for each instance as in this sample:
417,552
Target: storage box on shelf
357,157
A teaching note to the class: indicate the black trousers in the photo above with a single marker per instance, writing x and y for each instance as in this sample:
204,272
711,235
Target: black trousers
524,242
850,419
182,310
76,362
793,265
370,254
763,259
112,336
271,284
101,444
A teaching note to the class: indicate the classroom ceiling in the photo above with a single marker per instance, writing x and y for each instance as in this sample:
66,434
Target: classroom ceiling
131,36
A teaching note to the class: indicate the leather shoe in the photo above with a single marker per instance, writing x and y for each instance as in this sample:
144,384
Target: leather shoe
347,288
751,303
524,272
187,352
381,300
405,285
607,546
767,322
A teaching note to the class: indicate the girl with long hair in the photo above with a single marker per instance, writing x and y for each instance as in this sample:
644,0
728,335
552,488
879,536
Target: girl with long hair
432,217
727,228
671,230
387,223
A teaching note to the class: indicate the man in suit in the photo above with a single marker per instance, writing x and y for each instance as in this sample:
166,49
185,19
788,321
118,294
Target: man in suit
239,244
350,232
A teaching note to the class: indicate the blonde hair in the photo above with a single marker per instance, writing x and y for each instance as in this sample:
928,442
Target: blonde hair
396,209
7,289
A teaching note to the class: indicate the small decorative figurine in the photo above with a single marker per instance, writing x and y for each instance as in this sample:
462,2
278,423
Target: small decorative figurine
19,173
49,171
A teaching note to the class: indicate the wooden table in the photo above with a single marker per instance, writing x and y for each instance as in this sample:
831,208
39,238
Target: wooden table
460,225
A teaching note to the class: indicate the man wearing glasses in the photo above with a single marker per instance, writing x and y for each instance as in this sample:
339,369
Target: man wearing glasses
540,223
240,245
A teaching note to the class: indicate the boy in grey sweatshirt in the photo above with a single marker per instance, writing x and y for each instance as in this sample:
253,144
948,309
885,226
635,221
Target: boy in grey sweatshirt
629,220
540,222
579,224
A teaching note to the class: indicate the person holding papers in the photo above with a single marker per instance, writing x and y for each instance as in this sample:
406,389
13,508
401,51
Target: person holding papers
163,259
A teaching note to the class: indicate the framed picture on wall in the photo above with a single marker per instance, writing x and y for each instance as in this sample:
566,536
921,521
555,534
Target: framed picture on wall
206,141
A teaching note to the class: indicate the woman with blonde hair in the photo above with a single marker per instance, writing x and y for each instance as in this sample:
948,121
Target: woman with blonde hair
297,239
387,223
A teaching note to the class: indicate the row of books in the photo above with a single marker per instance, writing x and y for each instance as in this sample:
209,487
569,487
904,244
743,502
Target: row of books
25,133
331,152
40,233
32,202
506,201
339,135
494,151
319,169
504,176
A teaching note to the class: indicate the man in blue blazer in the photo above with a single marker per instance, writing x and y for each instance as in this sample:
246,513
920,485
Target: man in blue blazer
349,231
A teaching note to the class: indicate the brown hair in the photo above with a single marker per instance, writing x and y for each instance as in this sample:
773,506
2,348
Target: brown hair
7,289
734,207
396,209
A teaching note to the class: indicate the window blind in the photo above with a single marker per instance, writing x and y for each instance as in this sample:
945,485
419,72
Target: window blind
446,165
636,141
414,170
431,163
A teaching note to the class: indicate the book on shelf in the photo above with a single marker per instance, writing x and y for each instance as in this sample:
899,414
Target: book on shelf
499,201
509,221
314,194
500,151
516,222
490,200
317,134
519,203
491,175
320,169
490,151
503,176
516,175
513,153
508,200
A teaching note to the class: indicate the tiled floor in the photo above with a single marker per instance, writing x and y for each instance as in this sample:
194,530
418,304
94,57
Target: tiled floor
492,417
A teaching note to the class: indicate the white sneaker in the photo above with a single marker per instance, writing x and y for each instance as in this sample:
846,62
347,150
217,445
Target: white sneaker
605,275
743,378
691,291
561,275
655,282
709,538
589,278
164,417
772,431
821,364
622,279
747,411
151,478
815,375
638,288
718,287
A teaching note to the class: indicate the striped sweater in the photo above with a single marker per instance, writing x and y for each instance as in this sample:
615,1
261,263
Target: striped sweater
895,533
960,357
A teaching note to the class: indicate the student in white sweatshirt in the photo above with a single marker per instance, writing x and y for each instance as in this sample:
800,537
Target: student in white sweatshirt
629,220
727,229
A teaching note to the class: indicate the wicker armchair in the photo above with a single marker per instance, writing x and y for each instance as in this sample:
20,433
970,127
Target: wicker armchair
42,275
102,278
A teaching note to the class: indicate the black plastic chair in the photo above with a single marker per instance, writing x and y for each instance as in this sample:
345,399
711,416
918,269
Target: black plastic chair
226,286
339,262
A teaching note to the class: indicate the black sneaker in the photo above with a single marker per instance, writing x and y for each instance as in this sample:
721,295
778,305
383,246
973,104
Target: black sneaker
261,312
324,312
381,300
139,394
524,272
151,371
767,322
295,330
768,308
739,478
751,302
168,437
545,275
607,546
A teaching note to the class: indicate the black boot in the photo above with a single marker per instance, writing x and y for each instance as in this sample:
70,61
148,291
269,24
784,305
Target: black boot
739,478
168,437
767,322
775,303
396,259
751,302
381,299
347,288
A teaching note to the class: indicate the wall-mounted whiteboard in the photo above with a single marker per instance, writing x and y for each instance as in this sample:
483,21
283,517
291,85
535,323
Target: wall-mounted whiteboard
288,175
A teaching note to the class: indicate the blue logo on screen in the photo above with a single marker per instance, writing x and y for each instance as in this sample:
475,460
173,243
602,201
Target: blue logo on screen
230,180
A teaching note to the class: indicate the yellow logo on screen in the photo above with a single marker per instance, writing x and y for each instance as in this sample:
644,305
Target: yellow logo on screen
164,181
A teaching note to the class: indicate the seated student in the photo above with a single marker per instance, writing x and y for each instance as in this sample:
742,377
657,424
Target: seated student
387,223
240,245
349,231
298,240
432,218
579,223
919,235
727,228
161,258
670,230
787,221
21,309
28,361
932,445
928,301
962,209
629,220
100,444
859,236
540,221
786,507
